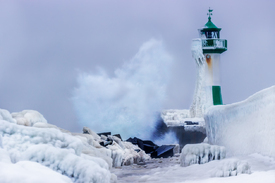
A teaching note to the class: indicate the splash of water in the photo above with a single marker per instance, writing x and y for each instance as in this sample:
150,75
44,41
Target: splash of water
128,102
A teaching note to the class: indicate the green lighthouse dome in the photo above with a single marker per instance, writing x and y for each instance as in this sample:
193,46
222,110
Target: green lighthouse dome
209,25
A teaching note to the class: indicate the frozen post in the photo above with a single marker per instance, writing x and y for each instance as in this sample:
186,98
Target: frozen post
206,51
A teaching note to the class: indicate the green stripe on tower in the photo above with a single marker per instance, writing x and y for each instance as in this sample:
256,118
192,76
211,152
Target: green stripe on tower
217,95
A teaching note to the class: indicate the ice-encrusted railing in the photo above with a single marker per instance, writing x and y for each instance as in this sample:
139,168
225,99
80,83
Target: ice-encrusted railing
214,43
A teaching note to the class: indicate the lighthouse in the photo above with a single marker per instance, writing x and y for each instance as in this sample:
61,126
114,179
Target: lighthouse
189,124
213,47
206,51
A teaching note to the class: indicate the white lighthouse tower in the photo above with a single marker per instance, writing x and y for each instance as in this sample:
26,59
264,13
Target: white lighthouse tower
206,51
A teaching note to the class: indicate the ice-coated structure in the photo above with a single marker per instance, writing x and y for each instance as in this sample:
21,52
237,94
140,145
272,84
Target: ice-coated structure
245,127
37,149
201,153
177,117
202,96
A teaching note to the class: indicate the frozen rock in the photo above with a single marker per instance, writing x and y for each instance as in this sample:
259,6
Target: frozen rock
5,115
124,153
87,130
201,153
59,151
103,137
28,117
92,148
117,154
69,164
74,157
231,167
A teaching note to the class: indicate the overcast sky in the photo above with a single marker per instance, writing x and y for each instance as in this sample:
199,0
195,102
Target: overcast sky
45,44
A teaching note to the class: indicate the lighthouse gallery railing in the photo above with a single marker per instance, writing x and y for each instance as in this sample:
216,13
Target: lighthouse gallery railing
214,43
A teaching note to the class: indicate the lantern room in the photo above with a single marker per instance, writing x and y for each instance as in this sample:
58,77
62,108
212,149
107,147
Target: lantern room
210,35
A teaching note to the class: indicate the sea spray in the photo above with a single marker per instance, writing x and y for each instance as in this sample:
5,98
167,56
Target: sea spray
127,103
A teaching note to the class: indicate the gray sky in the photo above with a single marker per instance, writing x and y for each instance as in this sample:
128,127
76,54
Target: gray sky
45,44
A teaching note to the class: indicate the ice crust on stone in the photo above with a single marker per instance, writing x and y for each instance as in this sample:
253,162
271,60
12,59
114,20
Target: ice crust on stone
245,127
50,147
5,115
28,117
26,139
124,153
231,167
200,154
26,171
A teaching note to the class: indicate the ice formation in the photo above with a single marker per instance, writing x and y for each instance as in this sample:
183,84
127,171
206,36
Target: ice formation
29,144
202,95
28,117
176,117
125,153
201,153
245,127
231,167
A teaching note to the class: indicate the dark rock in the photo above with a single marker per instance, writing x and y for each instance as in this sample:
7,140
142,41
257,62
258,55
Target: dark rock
149,147
163,151
86,130
191,123
117,135
105,143
104,133
187,137
146,145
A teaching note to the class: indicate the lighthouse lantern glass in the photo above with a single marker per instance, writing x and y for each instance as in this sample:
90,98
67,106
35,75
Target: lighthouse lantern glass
210,34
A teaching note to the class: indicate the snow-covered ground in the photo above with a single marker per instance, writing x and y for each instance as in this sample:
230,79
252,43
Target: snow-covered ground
169,171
